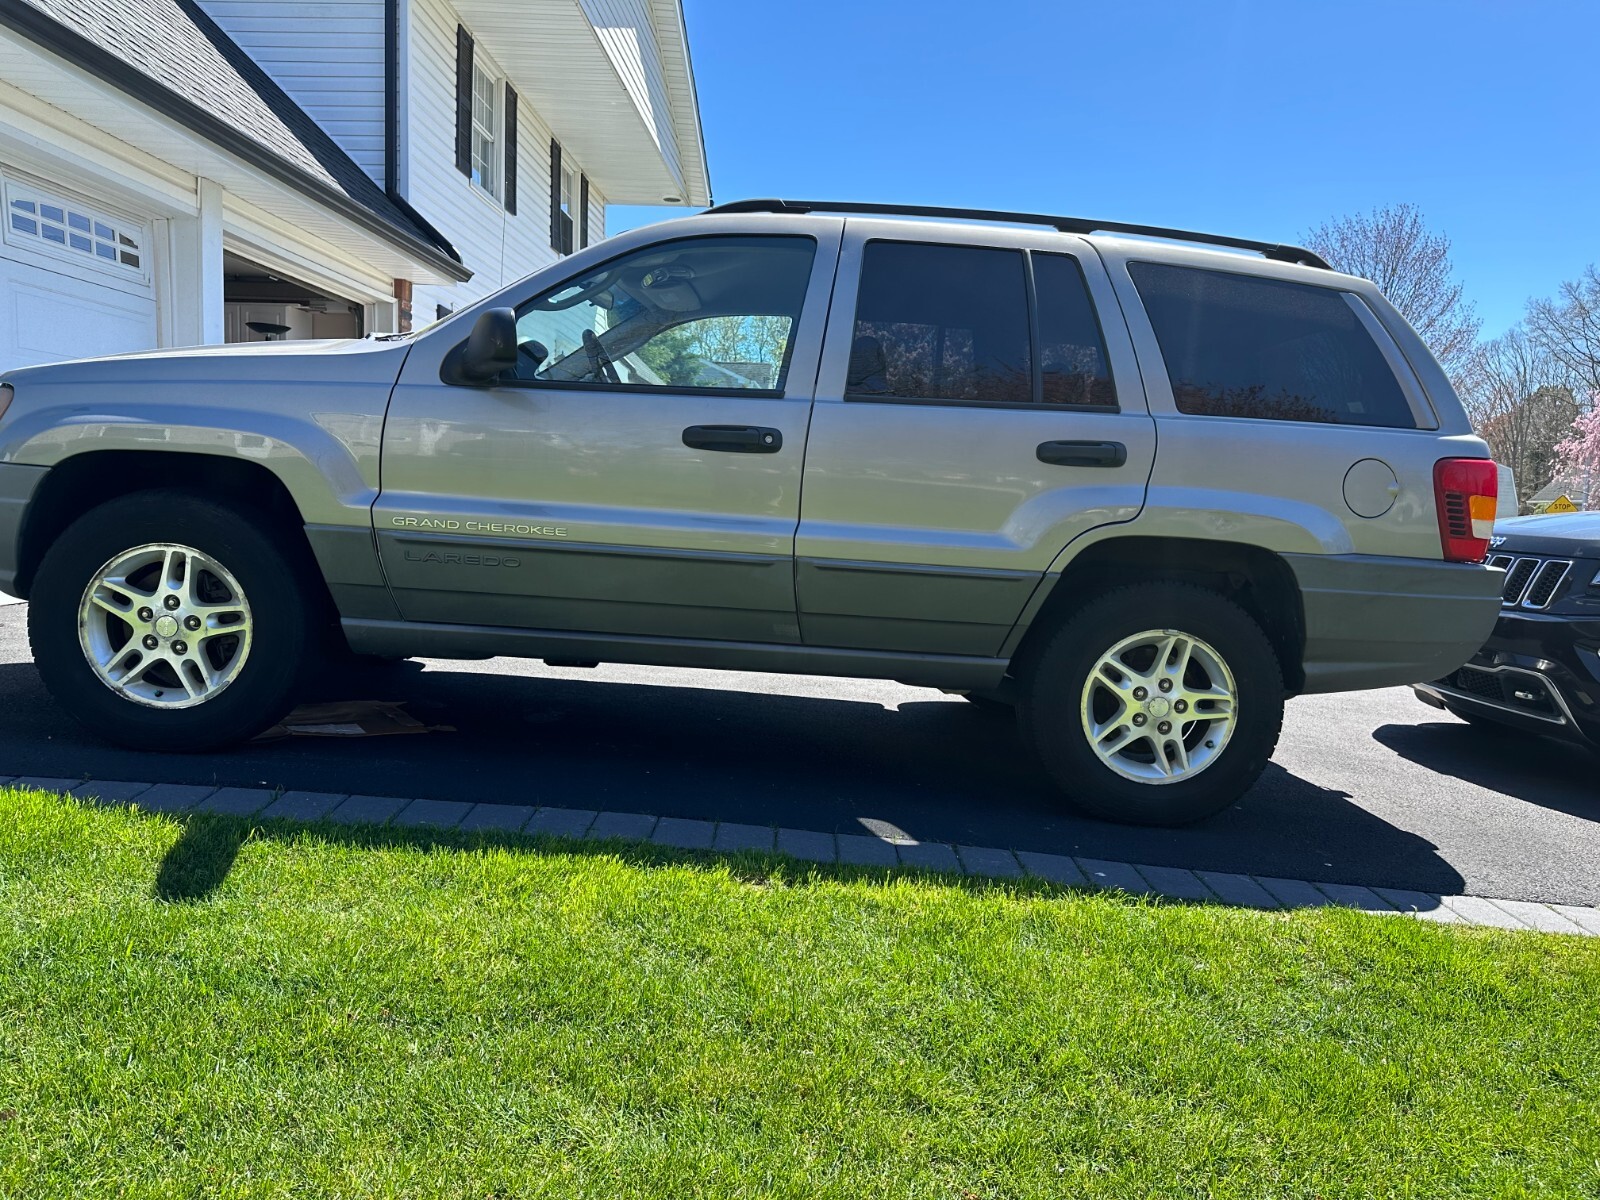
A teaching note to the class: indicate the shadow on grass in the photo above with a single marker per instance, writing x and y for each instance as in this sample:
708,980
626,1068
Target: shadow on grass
199,861
197,864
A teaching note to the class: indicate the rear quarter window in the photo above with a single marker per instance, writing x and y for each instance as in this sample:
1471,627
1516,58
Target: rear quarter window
1243,346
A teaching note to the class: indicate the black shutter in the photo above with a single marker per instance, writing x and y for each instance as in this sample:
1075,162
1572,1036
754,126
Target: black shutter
555,195
463,101
583,212
511,149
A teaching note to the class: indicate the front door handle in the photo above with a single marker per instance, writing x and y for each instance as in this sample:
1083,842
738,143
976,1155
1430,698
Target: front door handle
1083,454
734,439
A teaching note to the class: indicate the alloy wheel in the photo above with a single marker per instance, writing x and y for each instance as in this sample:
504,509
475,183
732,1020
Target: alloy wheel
164,625
1159,706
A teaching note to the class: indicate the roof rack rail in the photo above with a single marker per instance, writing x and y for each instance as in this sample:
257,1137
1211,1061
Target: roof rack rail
1273,250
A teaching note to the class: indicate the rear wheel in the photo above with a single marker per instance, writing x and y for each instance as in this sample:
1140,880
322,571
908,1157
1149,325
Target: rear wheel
1157,704
164,621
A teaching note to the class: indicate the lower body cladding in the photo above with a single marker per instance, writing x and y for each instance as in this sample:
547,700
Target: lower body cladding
1375,622
1370,621
470,598
642,591
632,591
1538,672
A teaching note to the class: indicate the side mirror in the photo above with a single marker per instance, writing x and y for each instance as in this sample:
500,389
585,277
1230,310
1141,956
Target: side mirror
489,351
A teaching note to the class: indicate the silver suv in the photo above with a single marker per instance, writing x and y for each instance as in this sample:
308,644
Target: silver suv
1140,489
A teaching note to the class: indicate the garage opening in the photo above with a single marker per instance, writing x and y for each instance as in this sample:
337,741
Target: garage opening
263,306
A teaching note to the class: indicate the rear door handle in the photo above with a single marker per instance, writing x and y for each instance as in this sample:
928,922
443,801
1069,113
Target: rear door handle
1083,454
734,439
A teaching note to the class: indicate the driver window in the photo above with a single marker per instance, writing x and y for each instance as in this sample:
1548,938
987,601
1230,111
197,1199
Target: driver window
701,313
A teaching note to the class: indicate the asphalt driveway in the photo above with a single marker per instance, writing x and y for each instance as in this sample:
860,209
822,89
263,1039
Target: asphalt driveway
1369,788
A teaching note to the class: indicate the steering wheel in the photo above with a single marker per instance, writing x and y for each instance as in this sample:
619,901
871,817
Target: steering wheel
599,361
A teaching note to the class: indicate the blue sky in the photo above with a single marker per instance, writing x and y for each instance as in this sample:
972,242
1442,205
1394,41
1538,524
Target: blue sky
1249,117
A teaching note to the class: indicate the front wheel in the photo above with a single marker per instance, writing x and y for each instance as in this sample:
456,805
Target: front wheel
1156,704
164,621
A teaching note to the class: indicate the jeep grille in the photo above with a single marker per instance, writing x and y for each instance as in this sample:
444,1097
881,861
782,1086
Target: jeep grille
1530,582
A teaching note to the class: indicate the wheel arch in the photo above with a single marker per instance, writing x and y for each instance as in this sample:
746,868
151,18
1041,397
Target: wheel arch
1257,579
84,481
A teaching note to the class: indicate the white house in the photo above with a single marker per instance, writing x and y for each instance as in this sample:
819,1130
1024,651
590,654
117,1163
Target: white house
185,171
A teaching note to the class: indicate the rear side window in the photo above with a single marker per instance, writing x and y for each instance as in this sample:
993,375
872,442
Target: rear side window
941,323
1242,346
1072,352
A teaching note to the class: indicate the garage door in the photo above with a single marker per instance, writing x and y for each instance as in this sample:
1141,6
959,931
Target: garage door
75,278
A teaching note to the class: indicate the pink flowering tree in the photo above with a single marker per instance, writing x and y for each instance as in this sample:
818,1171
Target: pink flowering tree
1577,456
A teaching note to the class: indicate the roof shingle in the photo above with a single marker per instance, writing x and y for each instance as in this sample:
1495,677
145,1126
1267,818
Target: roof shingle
180,50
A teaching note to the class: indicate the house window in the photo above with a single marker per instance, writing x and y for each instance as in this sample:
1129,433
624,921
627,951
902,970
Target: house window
41,220
563,201
485,131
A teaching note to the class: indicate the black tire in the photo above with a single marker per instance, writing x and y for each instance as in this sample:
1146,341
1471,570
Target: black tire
1054,682
264,563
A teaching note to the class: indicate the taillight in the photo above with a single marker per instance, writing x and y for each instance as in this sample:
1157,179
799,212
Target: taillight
1465,491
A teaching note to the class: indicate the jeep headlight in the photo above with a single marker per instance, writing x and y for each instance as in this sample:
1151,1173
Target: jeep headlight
6,392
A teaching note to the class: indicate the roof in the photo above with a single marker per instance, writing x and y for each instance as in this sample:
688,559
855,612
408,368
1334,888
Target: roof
1278,252
153,48
1572,489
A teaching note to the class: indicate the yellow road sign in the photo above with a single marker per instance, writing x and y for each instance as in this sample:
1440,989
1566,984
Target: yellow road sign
1561,504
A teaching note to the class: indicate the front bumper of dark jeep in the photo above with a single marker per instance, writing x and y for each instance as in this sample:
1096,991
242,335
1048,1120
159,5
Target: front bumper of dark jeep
1539,672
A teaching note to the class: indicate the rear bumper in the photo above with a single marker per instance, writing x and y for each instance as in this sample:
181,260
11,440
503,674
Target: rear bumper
18,482
1372,621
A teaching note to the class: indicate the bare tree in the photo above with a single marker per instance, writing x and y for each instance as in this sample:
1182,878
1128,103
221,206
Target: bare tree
1394,248
1521,401
1567,328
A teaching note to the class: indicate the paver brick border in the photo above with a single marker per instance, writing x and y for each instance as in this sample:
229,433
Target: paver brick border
895,850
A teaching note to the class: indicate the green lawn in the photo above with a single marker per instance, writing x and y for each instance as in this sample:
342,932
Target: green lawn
214,1009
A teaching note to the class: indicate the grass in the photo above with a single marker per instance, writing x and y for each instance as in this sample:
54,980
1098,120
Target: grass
212,1008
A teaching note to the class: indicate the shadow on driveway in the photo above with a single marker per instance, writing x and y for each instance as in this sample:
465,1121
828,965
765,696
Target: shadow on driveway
1539,770
939,769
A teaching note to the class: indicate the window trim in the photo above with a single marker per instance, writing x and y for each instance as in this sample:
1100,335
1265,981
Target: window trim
1037,404
645,389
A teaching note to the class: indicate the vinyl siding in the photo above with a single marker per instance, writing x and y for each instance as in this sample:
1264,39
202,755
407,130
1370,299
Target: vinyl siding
498,248
327,55
629,38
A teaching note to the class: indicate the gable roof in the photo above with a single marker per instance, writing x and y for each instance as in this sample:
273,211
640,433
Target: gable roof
170,56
